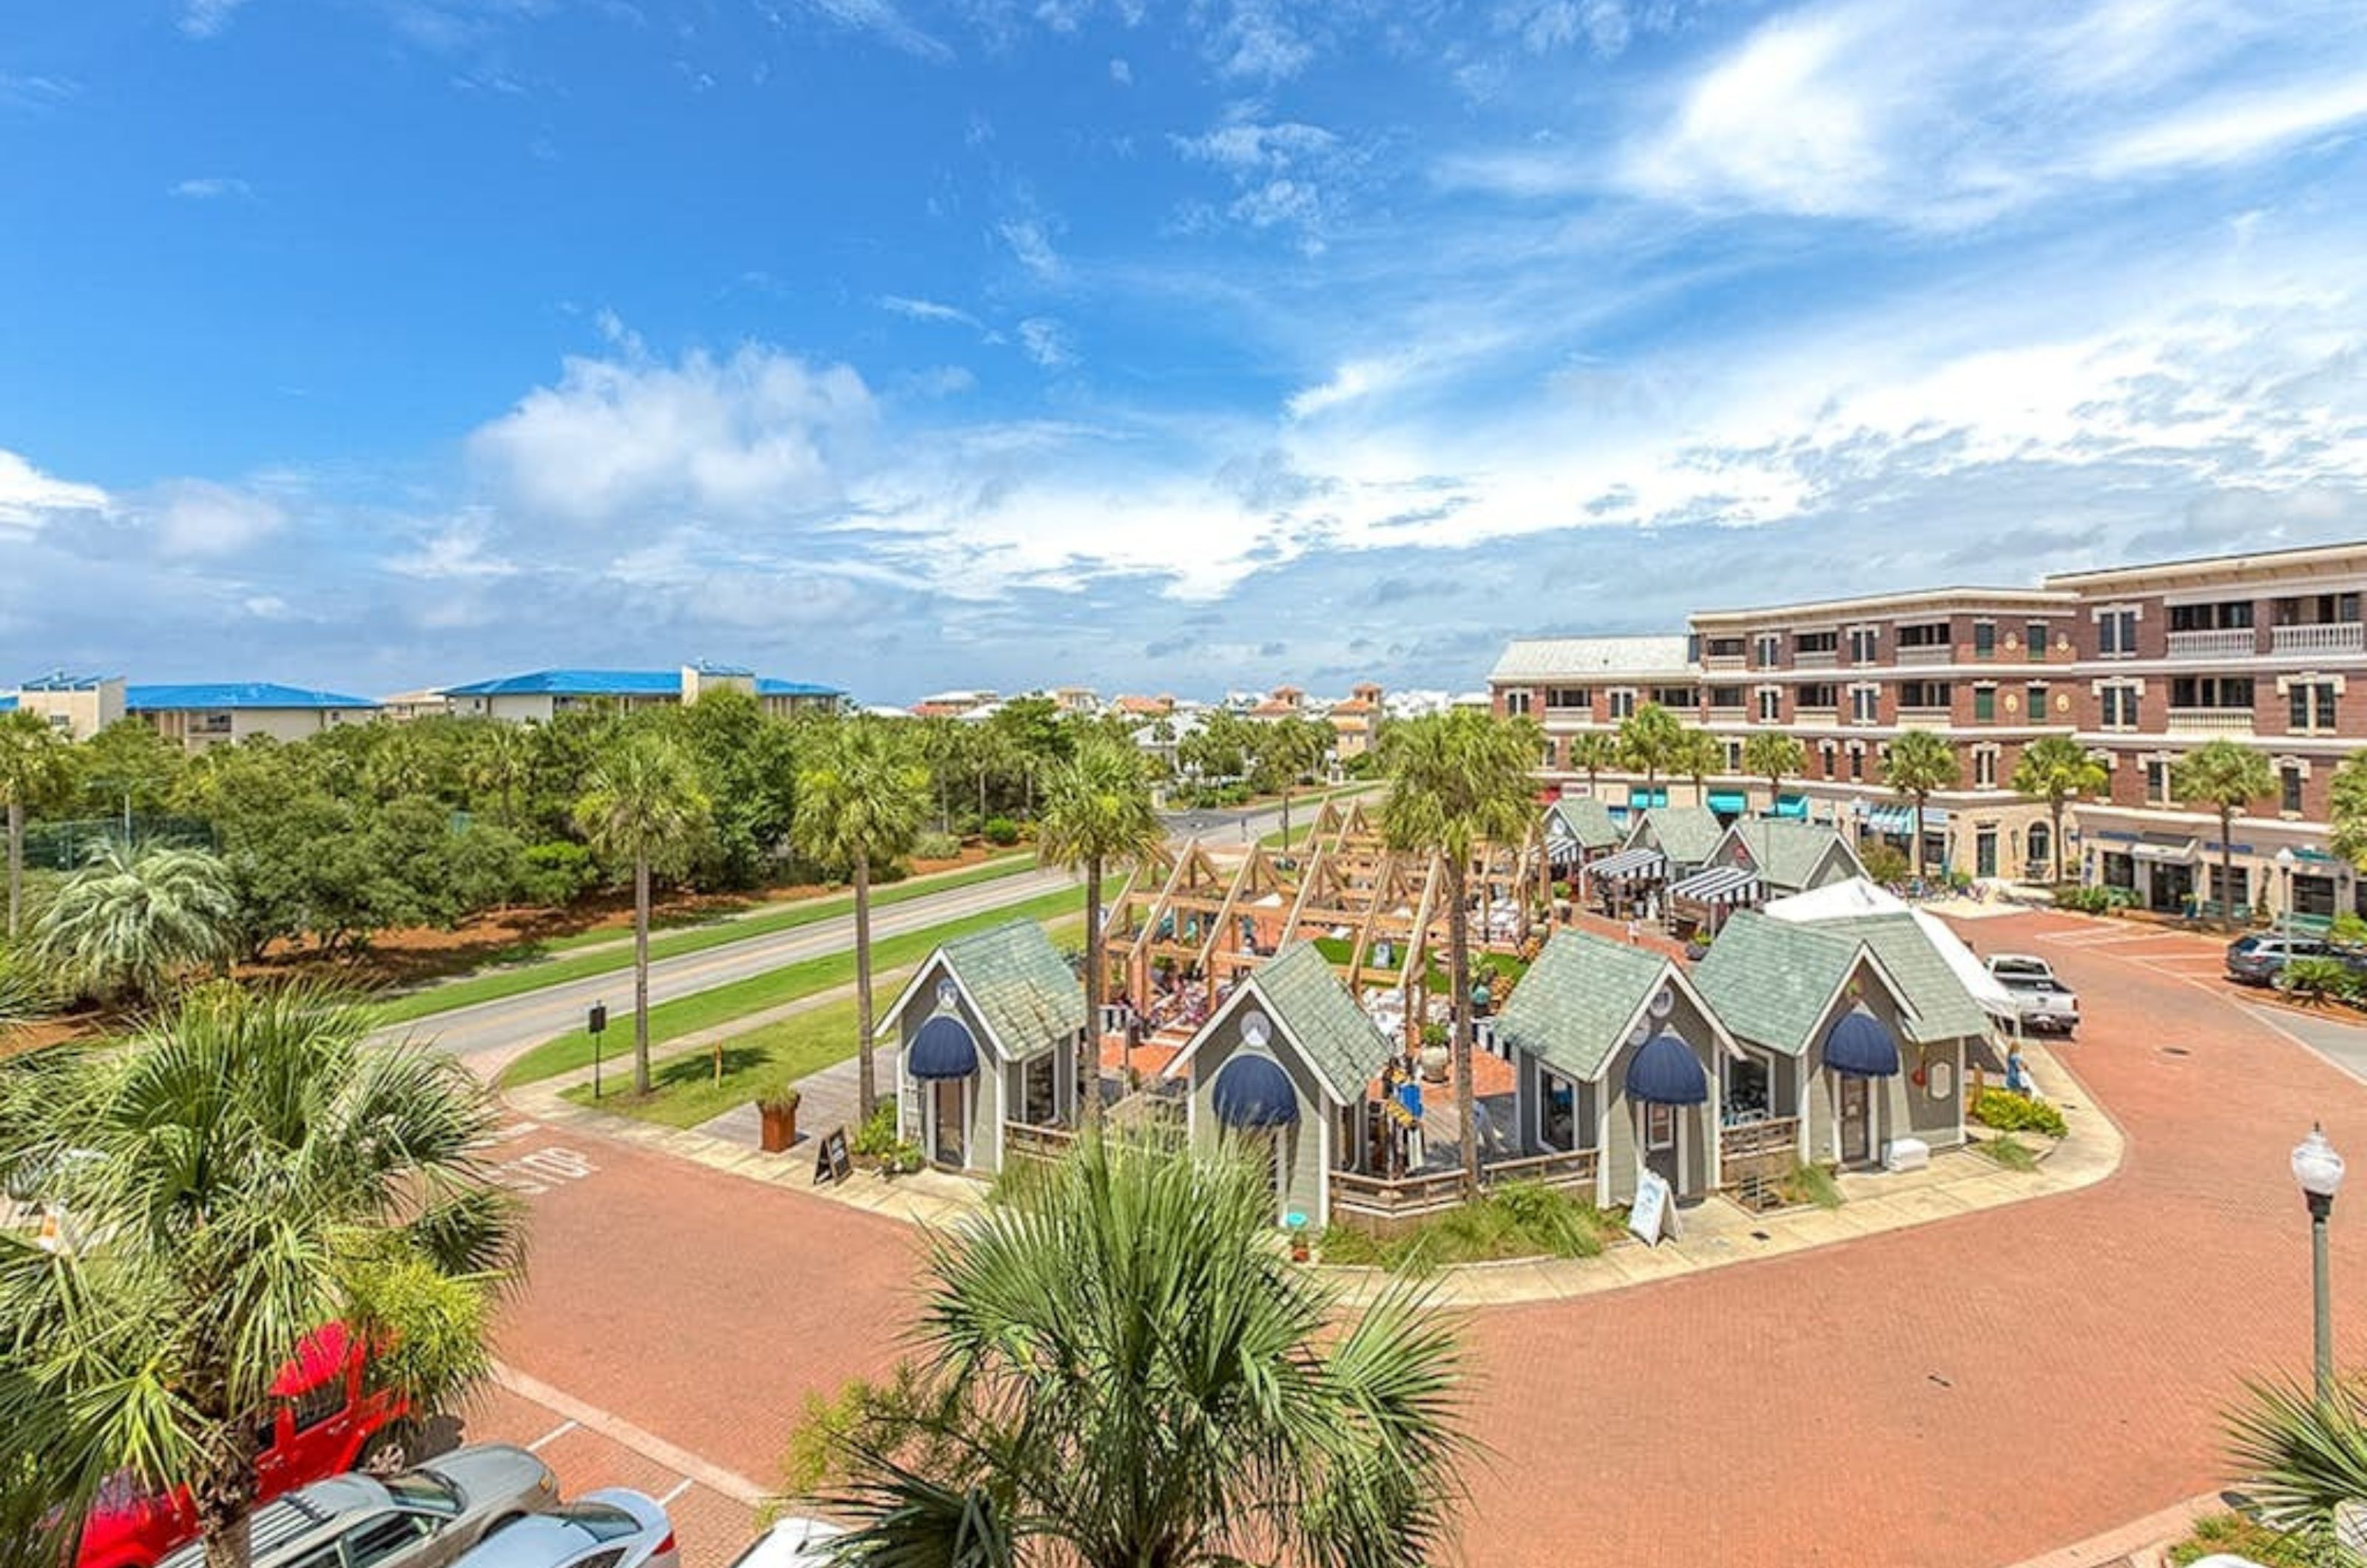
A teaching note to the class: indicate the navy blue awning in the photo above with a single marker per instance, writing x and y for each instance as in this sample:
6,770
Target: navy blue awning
943,1049
1860,1046
1252,1092
1665,1071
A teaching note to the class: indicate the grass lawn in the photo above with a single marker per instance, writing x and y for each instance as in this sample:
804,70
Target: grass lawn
1519,1219
533,977
671,1020
687,1092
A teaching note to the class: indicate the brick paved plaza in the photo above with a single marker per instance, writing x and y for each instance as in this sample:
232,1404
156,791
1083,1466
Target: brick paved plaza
1976,1391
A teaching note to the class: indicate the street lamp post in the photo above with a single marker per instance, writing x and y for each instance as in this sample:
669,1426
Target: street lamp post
2318,1171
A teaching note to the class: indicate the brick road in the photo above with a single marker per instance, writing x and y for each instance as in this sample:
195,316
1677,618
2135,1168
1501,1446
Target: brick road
1974,1392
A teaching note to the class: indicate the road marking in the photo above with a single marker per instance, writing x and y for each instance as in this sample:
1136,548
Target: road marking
532,1174
646,1444
550,1437
685,1484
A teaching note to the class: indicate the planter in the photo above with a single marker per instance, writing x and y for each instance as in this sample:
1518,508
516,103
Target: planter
1434,1062
779,1126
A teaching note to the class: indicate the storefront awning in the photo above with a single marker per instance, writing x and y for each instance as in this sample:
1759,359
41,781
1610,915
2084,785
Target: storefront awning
1791,806
1718,884
1630,864
1890,819
1862,1046
2161,847
1252,1092
1665,1071
943,1049
1731,801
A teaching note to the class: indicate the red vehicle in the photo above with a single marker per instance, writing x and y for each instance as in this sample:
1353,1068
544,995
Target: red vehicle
326,1424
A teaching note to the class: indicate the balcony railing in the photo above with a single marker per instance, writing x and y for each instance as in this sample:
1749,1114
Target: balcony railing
1723,714
2325,637
2225,642
1815,658
1725,661
1370,1199
1815,715
1942,654
2210,721
1924,717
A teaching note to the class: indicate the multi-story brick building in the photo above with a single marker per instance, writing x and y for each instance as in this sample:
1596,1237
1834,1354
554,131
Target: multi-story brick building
2140,663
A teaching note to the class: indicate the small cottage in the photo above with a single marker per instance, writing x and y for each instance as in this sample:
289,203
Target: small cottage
1286,1065
1757,859
1615,1052
1665,844
987,1034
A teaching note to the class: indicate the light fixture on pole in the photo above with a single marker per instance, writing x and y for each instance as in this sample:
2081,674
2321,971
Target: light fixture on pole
2318,1171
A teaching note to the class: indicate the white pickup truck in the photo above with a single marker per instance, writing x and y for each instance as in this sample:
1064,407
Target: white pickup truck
2044,1002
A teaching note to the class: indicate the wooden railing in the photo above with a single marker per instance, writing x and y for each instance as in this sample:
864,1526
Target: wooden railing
1412,1197
1754,1140
1025,1140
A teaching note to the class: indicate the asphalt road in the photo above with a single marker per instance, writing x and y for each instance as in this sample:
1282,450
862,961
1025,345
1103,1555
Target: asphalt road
499,1028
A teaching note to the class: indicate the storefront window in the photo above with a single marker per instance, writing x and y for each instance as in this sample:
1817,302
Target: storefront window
2313,894
2119,870
1035,1103
1660,1126
1560,1129
1746,1089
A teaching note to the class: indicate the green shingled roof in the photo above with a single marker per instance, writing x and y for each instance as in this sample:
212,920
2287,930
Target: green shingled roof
1787,854
1588,819
1768,980
1944,1008
1574,1006
1343,1046
1020,986
1688,835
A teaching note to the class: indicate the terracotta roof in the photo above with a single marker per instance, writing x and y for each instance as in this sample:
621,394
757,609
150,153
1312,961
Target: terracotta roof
1146,705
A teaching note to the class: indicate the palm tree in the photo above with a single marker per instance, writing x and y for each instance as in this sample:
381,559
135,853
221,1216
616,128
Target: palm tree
2226,777
132,916
1920,765
1650,741
1459,779
1120,1369
1591,753
1698,755
244,1171
1774,756
1286,749
2056,769
645,806
861,793
1097,814
2347,809
2300,1459
34,770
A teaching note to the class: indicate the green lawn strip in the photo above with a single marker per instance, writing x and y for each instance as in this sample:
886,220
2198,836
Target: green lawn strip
533,977
687,1094
671,1020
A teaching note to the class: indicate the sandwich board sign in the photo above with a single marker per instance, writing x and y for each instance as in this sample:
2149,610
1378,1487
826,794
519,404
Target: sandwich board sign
1653,1214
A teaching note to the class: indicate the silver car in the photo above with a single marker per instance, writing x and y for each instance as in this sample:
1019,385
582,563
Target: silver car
421,1519
611,1528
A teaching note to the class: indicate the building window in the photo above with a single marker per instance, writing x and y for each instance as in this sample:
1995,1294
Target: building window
1984,768
1857,762
1983,639
2228,615
2120,707
2034,701
1623,704
2116,634
1865,645
1985,705
2212,692
1815,642
1771,705
1682,698
1516,704
2311,706
1817,694
1734,756
1726,696
2156,782
1925,694
2035,639
2289,790
1866,705
1770,646
2243,898
1568,697
1924,634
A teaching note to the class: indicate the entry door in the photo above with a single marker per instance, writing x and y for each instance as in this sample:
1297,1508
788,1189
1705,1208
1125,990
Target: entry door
1658,1137
946,1139
1856,1129
1984,861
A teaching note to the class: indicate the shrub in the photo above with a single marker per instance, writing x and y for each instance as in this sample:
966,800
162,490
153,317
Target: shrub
557,874
877,1136
2008,1152
780,1097
2010,1112
2319,979
1884,864
1520,1219
1810,1184
2090,900
2237,1535
1000,831
936,846
2348,929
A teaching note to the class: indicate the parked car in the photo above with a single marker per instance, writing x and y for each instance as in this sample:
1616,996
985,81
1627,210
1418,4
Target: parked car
328,1421
611,1528
2041,1001
790,1544
2258,958
423,1518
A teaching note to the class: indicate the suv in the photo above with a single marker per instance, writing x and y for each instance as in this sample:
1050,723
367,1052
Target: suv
329,1420
421,1519
2258,959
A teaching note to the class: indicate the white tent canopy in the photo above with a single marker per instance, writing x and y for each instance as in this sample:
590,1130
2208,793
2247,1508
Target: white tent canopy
1857,896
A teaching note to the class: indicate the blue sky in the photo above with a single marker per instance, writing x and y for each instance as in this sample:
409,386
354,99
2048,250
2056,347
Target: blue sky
380,342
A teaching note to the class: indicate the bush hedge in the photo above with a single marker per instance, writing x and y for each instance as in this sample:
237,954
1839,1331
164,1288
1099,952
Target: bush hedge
2010,1112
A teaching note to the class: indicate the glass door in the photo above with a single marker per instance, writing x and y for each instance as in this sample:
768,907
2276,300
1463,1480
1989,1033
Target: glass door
1856,1130
945,1144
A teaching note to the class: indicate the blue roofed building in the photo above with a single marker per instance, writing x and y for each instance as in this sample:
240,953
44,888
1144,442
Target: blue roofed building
541,695
194,714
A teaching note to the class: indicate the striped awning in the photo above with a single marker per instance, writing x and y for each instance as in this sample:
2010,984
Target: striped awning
1561,844
1718,884
1630,864
1891,819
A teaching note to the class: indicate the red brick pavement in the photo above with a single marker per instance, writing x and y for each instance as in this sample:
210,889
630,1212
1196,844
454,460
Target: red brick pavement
1972,1391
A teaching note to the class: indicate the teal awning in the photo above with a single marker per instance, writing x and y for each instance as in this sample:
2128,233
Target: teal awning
1791,806
1645,799
1732,801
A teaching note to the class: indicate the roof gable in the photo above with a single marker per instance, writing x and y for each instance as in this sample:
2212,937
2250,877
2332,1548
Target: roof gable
1586,818
1688,835
1789,856
1023,990
1943,1010
1313,1010
1580,1000
1771,981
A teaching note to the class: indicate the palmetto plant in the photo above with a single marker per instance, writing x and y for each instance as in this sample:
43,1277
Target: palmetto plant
1698,755
1651,741
1920,765
1097,814
645,807
2225,776
1592,753
1774,756
35,769
2058,770
861,793
242,1172
1119,1370
1456,780
2299,1460
132,916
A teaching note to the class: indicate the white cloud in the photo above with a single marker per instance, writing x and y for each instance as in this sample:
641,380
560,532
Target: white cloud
457,550
204,19
29,497
751,435
1248,144
1046,342
197,517
1544,26
886,23
925,309
1254,38
213,187
1283,173
2232,129
1121,73
1033,246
